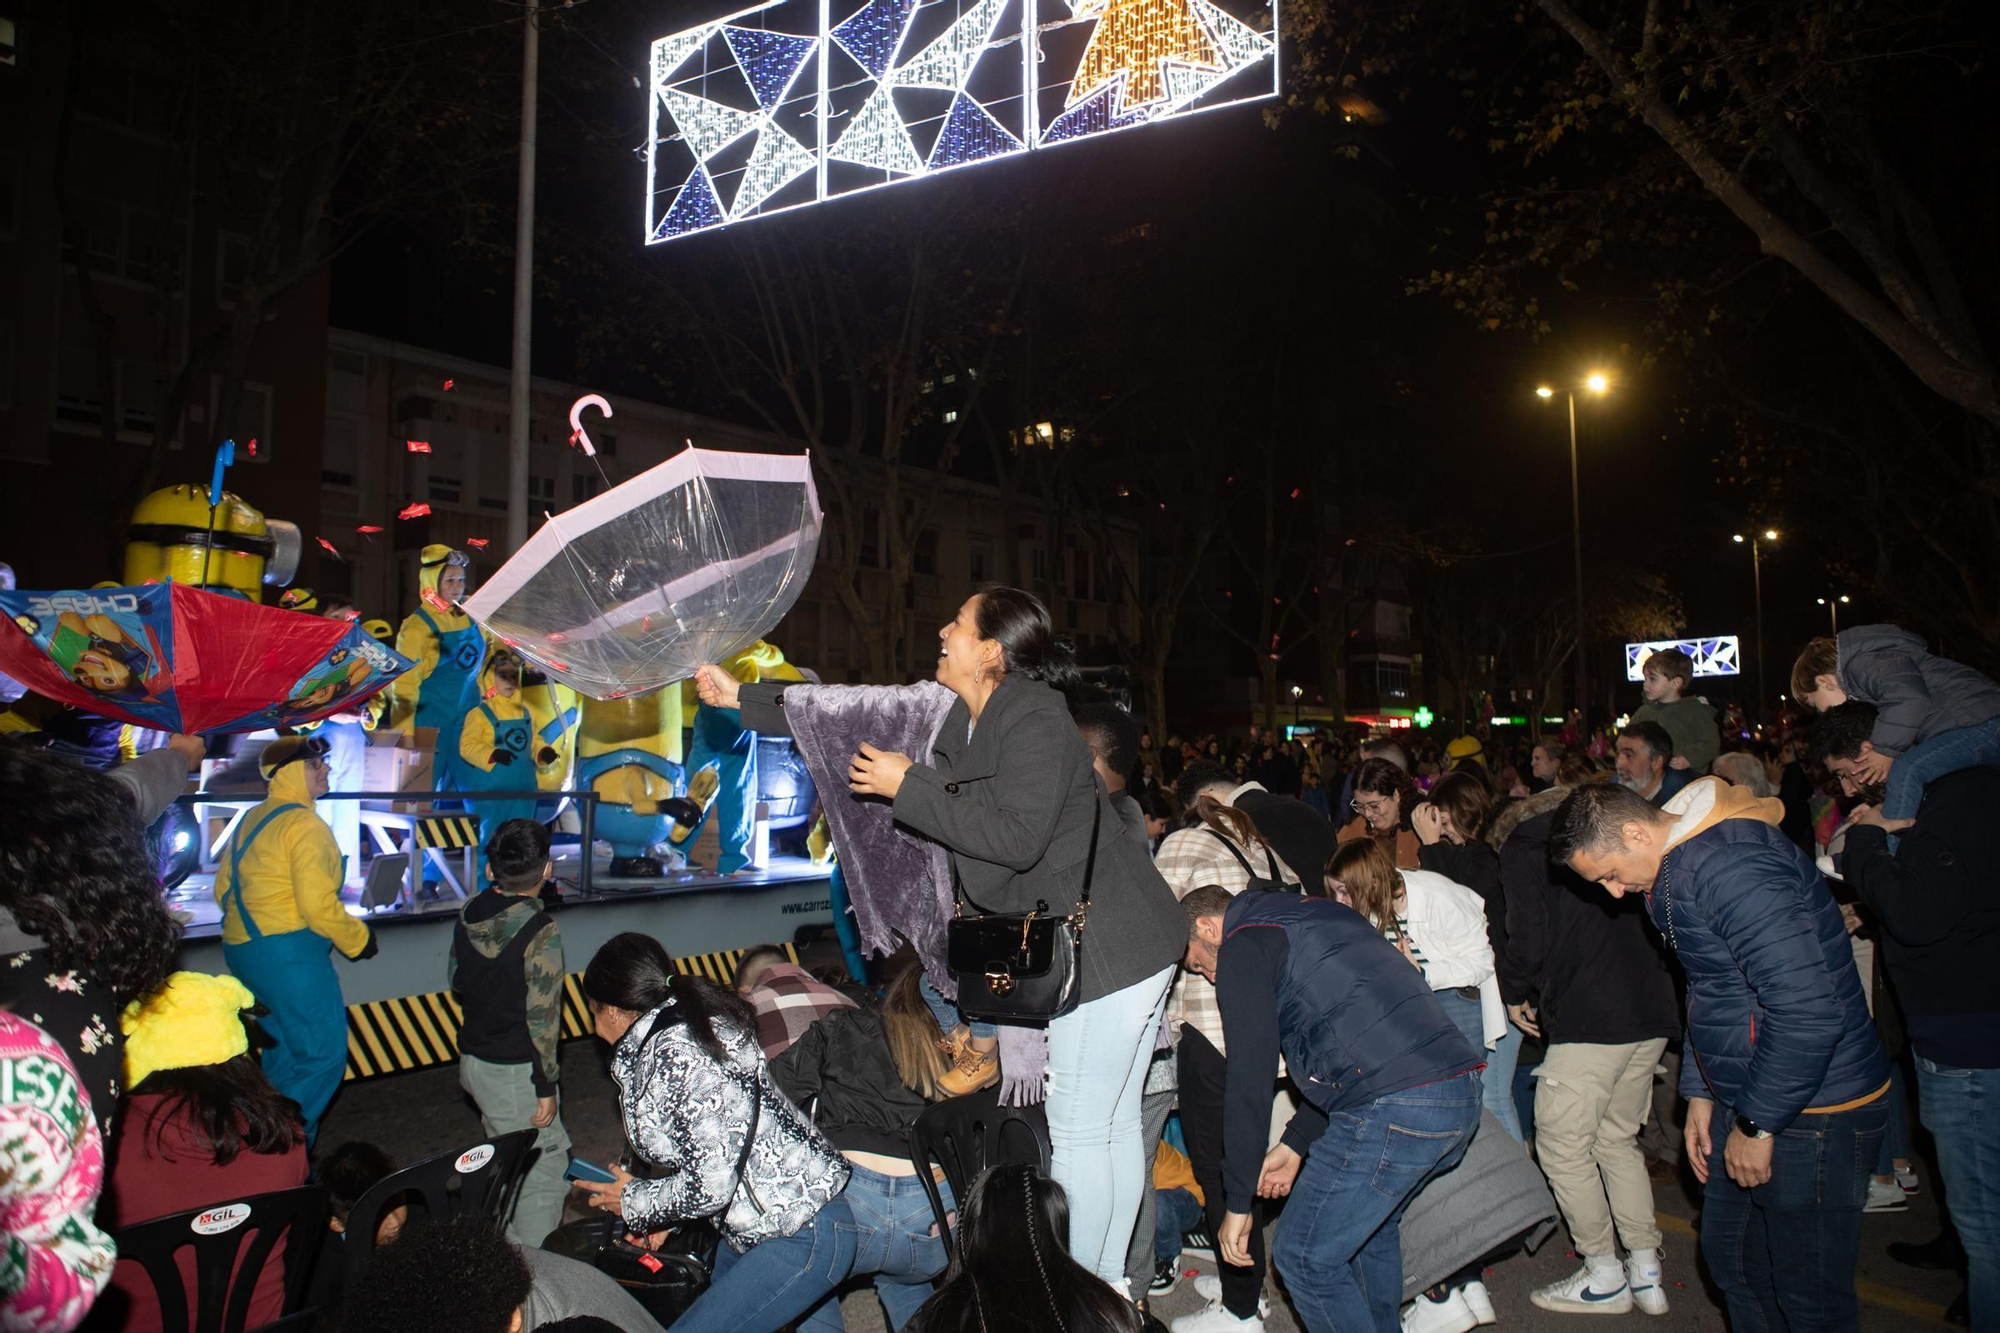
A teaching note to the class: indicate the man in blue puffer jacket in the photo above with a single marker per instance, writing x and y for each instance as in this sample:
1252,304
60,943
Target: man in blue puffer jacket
1785,1079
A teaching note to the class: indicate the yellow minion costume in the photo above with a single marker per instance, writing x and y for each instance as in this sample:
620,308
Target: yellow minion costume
448,649
628,751
279,890
720,741
497,750
346,736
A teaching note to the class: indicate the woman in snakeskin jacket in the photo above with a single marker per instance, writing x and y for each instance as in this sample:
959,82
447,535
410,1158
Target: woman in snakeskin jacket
700,1106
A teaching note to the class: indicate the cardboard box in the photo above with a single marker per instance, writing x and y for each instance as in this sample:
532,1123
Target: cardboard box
397,761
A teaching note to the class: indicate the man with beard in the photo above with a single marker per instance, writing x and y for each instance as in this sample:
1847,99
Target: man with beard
1645,763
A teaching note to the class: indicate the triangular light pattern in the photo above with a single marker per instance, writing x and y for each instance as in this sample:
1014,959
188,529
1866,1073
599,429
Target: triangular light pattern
669,53
946,61
695,207
873,32
1132,39
709,127
770,60
1241,44
776,161
1187,82
1093,115
970,133
876,137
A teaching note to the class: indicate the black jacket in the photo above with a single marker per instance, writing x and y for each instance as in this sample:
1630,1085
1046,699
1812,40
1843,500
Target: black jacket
843,1059
1940,916
1013,804
1586,959
1302,835
1477,867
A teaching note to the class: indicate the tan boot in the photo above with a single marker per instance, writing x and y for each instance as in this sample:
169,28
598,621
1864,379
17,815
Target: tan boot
971,1071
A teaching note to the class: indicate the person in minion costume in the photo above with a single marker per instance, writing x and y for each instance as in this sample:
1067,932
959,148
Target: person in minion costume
553,711
278,886
1463,748
345,733
628,752
448,649
721,741
498,751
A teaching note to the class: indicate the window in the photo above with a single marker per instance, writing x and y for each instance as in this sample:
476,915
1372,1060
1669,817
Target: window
10,193
80,390
924,559
1392,680
10,44
584,485
951,416
121,242
232,268
978,561
446,490
138,396
541,491
340,456
871,538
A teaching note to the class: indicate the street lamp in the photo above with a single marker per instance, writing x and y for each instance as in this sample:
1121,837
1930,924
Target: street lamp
1833,605
1756,542
1296,692
1596,382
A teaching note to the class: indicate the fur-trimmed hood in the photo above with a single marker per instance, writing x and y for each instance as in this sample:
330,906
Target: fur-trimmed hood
1520,812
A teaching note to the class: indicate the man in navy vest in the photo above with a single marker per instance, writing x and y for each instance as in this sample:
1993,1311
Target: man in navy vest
1362,1035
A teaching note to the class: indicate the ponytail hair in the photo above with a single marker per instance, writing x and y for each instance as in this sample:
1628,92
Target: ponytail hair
1029,644
1230,822
632,972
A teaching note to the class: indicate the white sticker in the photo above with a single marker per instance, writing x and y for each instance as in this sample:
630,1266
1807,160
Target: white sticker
473,1158
215,1221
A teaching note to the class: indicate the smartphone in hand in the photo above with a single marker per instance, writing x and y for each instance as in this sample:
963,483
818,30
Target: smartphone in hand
581,1170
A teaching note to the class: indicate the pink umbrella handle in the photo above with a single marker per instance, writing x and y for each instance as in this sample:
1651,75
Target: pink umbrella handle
577,435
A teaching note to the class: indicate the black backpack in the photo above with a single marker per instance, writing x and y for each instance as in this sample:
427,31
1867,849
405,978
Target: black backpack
1258,883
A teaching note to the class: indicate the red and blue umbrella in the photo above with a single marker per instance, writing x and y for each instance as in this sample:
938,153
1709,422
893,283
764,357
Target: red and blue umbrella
177,658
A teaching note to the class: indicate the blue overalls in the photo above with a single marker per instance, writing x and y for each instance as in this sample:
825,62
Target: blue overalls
447,693
720,738
292,976
513,737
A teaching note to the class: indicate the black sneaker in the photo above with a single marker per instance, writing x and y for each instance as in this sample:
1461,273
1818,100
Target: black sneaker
1166,1276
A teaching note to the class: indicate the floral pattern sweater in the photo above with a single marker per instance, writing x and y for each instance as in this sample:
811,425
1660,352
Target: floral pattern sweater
53,1259
689,1115
80,1015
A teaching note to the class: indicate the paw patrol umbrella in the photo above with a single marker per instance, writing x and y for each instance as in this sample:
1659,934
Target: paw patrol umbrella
177,658
686,563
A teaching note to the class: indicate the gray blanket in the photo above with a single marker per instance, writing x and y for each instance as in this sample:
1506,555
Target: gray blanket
1494,1195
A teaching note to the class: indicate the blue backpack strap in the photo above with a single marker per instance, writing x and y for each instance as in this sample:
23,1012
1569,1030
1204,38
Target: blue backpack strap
236,851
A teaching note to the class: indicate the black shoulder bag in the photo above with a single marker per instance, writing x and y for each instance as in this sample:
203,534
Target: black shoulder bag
1016,967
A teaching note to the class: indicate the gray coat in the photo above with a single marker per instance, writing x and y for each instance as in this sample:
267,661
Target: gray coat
1013,805
1916,694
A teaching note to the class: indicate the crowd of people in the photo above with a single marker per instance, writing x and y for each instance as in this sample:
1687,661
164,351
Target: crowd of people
1311,973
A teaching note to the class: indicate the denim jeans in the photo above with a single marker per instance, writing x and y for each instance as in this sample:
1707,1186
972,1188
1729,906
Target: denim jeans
1896,1139
1175,1213
947,1015
1338,1245
1098,1054
1927,761
1783,1252
1952,1104
776,1281
1497,1079
892,1225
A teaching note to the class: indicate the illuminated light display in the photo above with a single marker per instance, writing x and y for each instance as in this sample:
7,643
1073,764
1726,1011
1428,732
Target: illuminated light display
1720,656
789,103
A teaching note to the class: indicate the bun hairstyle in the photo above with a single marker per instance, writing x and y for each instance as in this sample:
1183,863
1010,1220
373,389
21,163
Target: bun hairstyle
1029,644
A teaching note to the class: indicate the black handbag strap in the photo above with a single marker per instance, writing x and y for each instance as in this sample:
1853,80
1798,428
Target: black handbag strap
960,896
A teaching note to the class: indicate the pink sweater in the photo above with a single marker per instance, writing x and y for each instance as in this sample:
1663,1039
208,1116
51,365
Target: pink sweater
55,1260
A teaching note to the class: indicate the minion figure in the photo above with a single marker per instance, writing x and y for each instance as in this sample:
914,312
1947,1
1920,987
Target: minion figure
721,742
278,886
554,713
498,751
448,649
628,752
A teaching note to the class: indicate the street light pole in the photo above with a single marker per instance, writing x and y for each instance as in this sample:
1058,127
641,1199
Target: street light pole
1833,605
1296,692
1757,541
519,384
1576,535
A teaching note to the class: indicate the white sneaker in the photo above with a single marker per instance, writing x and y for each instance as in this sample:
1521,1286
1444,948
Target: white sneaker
1642,1275
1479,1301
1906,1176
1587,1291
1213,1318
1450,1315
1208,1286
1885,1196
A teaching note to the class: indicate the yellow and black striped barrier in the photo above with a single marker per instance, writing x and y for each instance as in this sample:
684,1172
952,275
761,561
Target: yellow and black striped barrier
418,1031
448,833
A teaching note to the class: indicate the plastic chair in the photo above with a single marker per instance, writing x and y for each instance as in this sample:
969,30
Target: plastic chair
305,1321
483,1177
965,1135
237,1235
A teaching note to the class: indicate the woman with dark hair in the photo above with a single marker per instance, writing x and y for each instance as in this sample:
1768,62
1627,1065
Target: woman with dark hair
1013,1272
89,927
699,1103
1010,792
202,1125
1384,800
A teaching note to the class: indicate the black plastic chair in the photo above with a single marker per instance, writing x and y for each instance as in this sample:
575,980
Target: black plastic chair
483,1177
965,1135
305,1321
237,1235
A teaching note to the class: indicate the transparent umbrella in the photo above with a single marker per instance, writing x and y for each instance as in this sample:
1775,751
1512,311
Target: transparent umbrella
684,564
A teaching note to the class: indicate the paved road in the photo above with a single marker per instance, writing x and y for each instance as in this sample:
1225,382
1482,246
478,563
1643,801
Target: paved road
414,1115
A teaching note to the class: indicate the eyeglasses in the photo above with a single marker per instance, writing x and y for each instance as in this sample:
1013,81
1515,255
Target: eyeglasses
1374,807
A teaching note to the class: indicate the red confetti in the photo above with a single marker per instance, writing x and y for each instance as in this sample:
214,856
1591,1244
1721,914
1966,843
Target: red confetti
479,543
564,666
448,384
328,547
417,446
1681,1285
574,436
252,446
432,596
1295,492
417,510
369,529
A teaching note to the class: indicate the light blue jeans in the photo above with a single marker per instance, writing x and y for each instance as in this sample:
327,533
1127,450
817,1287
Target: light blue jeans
894,1240
1098,1054
775,1281
947,1015
1927,761
1496,1085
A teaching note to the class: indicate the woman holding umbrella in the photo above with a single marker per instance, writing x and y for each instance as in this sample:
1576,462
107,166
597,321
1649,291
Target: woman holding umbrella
1010,792
448,649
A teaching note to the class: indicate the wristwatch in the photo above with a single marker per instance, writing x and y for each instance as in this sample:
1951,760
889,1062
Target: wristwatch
1748,1128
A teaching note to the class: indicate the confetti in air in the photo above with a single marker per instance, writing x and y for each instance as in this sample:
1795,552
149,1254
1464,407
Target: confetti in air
417,446
330,549
417,510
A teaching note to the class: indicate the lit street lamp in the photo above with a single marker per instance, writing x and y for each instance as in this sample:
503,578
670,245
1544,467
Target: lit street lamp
1756,541
1596,382
1296,692
1833,605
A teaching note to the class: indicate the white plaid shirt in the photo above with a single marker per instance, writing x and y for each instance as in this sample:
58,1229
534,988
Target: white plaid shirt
1188,859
